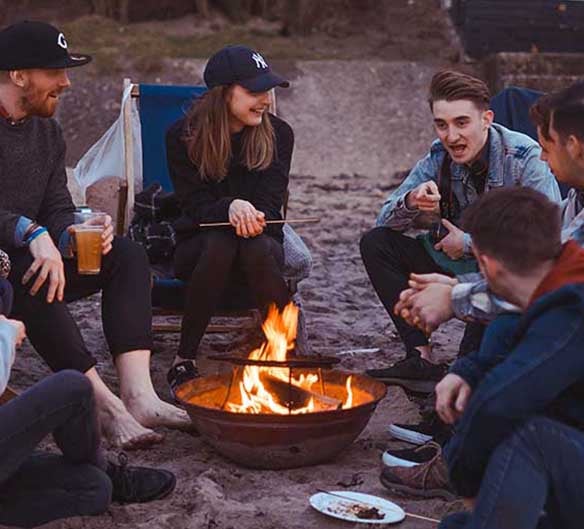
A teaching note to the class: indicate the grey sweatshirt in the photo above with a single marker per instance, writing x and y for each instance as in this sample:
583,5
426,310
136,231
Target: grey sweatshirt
33,181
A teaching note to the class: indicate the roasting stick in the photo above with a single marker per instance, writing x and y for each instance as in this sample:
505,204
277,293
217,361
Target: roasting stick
308,220
364,503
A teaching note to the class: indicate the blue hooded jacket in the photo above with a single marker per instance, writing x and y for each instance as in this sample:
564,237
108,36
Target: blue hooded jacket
536,370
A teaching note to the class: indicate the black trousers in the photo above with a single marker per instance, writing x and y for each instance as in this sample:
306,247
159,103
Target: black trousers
389,258
126,306
38,487
209,262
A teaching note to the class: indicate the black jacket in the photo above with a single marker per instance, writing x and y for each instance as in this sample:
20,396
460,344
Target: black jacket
209,201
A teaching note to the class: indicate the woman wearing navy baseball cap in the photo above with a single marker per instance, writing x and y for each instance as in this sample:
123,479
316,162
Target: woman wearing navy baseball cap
229,160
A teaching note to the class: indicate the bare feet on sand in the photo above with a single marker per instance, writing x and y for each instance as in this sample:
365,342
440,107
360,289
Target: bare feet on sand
121,430
140,398
119,427
152,412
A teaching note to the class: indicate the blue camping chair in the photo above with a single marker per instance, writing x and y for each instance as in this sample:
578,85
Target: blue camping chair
159,107
511,106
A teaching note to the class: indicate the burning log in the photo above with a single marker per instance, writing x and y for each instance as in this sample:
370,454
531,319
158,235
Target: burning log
267,386
293,396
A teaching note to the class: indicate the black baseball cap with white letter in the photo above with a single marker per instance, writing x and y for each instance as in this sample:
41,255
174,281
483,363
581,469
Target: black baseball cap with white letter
244,66
26,45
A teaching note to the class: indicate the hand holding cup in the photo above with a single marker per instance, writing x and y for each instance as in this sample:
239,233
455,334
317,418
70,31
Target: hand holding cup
93,238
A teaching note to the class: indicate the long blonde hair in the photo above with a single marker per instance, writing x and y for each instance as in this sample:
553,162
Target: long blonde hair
208,138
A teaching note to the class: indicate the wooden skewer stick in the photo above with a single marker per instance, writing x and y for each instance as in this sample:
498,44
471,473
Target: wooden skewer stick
371,505
308,220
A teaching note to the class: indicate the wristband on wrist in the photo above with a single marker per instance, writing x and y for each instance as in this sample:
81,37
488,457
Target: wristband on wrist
36,233
31,227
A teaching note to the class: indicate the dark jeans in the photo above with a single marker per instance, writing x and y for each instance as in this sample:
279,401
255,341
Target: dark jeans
126,306
208,262
540,467
389,258
35,487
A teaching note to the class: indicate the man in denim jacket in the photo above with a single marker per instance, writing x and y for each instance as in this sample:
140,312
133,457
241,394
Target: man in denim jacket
472,155
436,298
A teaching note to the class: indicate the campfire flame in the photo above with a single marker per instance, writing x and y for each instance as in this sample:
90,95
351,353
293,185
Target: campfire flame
256,396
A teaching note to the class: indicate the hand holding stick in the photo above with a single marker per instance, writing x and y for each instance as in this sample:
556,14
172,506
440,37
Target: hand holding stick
307,220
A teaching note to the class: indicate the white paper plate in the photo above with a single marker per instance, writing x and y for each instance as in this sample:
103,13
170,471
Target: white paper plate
347,509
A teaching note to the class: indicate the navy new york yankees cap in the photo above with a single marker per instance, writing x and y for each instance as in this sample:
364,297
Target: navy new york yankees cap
244,66
28,44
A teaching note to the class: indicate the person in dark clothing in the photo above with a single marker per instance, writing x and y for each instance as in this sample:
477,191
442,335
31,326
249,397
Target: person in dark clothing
37,487
229,160
36,223
472,156
518,444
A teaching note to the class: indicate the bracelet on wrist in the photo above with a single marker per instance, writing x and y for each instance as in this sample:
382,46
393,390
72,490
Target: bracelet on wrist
31,227
36,233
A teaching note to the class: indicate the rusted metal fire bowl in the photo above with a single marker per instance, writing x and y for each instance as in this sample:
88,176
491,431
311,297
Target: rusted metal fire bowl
273,441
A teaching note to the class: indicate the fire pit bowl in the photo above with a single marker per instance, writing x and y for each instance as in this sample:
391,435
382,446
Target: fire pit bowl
274,441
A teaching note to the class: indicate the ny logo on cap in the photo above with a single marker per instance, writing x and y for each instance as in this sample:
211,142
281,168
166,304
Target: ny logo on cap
259,60
61,41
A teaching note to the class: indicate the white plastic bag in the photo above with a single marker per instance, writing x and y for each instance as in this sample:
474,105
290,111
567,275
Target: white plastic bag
106,157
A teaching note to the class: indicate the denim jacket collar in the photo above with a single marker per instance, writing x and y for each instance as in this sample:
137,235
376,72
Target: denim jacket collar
502,143
496,155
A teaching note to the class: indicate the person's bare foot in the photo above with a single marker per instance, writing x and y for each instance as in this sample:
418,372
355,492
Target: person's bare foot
121,430
118,427
140,398
152,412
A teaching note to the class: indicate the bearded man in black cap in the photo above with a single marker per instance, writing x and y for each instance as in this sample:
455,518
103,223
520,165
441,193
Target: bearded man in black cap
36,223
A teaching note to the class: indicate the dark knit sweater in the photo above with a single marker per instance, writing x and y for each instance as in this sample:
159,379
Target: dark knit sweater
33,181
209,201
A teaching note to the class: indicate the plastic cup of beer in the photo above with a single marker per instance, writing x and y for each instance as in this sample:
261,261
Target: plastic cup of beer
88,242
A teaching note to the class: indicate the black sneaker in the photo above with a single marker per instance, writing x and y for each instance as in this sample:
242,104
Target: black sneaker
430,428
138,484
180,373
413,373
410,457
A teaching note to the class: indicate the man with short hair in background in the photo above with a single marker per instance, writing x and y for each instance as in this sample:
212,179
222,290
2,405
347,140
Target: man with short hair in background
518,446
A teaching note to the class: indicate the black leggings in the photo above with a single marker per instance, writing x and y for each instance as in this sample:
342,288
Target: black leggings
126,308
389,258
209,261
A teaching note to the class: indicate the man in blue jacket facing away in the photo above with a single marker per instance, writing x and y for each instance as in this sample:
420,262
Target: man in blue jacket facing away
518,445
